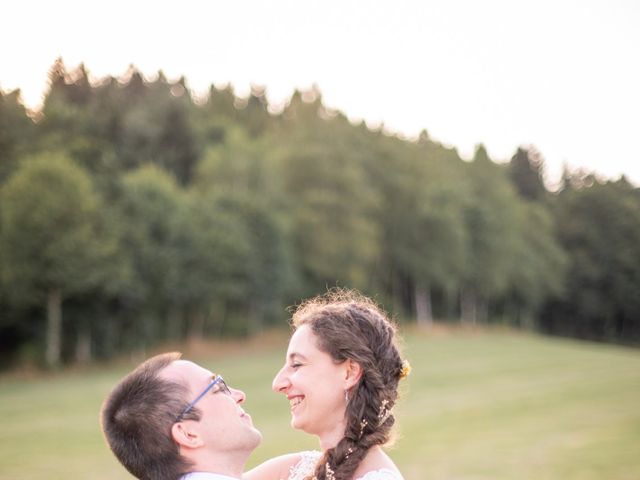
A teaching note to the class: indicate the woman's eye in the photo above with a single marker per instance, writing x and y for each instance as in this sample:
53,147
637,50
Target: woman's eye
295,365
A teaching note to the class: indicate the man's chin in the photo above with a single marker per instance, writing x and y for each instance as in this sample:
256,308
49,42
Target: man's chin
257,437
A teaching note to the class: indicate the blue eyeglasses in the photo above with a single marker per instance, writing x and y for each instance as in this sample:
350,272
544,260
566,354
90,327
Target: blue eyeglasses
216,380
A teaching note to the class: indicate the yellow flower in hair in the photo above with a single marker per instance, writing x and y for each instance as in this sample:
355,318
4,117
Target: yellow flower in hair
406,369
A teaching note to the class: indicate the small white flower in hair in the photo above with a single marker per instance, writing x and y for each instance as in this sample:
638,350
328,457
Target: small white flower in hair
384,413
363,425
330,475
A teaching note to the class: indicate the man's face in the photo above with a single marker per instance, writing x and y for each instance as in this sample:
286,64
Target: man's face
224,425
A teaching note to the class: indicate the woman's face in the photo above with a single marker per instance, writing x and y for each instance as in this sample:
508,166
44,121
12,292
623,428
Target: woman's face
314,385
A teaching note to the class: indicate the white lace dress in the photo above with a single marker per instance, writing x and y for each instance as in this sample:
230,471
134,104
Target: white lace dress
307,465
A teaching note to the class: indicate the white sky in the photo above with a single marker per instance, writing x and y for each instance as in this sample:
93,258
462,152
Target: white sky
562,75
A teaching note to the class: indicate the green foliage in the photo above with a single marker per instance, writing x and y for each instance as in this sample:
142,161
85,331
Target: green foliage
156,128
152,208
599,227
239,181
525,171
216,267
16,132
48,239
492,221
428,225
330,204
48,229
539,266
421,217
148,216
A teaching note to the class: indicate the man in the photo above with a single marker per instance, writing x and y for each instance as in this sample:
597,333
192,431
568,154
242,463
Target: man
171,419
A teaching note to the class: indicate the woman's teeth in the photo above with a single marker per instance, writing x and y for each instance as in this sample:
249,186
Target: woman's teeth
295,401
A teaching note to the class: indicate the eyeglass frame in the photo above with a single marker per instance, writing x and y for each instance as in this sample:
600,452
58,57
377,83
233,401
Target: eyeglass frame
215,380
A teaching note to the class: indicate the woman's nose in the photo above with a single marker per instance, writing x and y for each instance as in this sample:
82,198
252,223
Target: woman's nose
280,382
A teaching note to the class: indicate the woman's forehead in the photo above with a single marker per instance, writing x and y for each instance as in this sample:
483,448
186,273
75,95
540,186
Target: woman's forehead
303,341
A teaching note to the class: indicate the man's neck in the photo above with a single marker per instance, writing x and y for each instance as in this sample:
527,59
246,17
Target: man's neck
218,469
222,464
206,476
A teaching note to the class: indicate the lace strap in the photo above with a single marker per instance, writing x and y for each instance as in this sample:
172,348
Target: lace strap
305,466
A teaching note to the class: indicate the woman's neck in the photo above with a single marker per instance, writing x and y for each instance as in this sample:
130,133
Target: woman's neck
331,438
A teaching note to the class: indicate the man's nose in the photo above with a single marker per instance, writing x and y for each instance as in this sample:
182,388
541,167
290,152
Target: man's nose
238,395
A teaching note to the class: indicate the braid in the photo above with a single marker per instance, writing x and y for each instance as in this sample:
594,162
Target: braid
351,326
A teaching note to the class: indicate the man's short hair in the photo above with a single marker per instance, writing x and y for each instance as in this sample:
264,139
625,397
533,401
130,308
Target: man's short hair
137,417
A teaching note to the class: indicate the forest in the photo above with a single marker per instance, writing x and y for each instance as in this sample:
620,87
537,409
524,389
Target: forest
135,213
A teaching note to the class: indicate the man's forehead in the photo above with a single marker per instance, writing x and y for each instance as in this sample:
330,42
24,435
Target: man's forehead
184,370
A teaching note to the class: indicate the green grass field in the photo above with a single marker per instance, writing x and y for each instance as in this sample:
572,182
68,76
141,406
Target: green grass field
477,406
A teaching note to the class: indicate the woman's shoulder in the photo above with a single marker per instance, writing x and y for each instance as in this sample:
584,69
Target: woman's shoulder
382,474
377,465
308,460
293,466
305,465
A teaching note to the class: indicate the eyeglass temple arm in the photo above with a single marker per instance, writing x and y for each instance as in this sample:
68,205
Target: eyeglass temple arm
216,380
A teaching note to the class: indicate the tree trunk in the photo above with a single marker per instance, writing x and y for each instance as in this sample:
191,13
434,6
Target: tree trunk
468,305
83,345
396,295
528,320
173,330
109,334
424,313
196,325
482,310
217,318
450,304
255,316
54,328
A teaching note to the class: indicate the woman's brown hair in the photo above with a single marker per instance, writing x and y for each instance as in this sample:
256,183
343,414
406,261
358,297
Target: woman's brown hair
351,326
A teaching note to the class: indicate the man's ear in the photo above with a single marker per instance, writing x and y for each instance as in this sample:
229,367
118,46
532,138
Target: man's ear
353,373
186,436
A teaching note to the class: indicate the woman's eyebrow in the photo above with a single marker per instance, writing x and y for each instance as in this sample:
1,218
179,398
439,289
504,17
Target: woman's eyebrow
296,355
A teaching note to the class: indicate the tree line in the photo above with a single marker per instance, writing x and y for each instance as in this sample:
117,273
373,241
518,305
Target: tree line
133,213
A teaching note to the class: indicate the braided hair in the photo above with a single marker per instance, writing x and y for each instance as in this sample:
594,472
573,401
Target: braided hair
351,326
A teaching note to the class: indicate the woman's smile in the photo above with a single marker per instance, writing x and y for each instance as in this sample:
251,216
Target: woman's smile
313,384
295,401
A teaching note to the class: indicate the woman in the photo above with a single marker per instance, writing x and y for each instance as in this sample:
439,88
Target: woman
341,378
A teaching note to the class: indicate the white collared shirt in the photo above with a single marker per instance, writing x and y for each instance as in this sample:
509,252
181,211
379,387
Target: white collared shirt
206,476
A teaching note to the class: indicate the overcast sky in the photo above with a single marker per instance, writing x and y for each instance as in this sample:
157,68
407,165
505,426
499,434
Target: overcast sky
561,75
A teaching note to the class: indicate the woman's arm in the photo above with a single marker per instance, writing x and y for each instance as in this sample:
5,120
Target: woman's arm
276,468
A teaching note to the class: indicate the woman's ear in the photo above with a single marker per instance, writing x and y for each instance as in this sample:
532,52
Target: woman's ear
185,436
353,373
